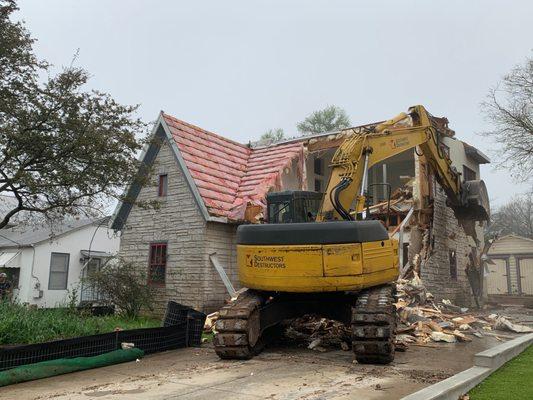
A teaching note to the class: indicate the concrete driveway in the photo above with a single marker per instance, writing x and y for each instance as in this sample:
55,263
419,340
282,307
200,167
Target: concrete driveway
279,373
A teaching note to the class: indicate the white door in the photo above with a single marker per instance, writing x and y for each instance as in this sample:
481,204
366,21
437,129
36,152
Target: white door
526,275
497,277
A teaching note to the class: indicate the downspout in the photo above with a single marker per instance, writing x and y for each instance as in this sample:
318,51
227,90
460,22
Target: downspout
33,266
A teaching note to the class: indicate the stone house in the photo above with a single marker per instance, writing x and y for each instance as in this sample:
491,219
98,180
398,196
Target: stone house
206,185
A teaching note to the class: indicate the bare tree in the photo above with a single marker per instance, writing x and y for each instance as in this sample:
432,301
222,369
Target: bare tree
514,217
509,107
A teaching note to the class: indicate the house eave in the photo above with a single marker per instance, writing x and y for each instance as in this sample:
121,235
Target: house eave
185,170
475,154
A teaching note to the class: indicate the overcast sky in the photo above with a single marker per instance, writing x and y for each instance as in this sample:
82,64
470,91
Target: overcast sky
239,68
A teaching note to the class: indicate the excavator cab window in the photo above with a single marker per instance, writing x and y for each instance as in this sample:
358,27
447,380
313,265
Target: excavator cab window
292,206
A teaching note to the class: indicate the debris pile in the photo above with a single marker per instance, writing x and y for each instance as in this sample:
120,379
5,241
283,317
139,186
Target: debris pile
401,201
318,333
422,322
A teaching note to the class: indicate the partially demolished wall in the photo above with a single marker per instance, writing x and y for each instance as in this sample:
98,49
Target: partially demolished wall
444,270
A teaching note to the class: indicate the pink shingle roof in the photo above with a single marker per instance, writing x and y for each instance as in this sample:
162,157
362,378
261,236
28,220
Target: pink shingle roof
229,175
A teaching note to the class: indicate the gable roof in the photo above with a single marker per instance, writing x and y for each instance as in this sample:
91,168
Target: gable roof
216,164
223,175
16,237
227,174
512,235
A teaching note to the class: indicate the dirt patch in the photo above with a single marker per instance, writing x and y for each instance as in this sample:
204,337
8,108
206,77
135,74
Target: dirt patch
429,377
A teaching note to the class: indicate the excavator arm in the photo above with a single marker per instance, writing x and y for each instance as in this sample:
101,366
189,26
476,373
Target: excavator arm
348,183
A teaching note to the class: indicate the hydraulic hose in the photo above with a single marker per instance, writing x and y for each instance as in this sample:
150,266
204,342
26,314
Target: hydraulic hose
343,184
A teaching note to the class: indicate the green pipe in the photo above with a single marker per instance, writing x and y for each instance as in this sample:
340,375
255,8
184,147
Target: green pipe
60,366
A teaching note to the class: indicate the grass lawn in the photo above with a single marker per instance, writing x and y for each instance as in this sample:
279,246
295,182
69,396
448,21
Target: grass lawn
512,381
24,325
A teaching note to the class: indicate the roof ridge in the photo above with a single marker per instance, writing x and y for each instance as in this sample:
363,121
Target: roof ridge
206,131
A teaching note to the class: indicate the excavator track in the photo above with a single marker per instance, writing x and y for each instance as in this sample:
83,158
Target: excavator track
374,326
238,328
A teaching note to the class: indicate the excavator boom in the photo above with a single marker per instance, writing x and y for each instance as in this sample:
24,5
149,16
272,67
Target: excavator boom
348,182
336,266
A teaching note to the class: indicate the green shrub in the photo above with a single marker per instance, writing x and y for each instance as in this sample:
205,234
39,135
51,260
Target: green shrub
124,285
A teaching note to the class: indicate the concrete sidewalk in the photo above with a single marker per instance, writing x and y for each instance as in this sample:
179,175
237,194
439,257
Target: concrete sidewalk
278,373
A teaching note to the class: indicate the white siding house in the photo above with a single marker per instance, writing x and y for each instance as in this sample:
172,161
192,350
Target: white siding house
44,267
511,270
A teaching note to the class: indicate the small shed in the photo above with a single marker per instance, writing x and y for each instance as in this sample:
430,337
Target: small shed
511,270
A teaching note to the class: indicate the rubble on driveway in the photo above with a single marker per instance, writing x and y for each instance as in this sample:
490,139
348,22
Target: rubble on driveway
421,322
318,333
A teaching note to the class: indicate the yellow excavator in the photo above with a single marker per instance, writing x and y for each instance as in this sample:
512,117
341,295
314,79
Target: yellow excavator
337,263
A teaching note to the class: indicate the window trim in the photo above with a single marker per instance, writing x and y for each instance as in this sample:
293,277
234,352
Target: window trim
162,189
469,170
66,272
149,280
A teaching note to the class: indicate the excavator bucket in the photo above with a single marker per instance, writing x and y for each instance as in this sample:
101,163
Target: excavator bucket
475,202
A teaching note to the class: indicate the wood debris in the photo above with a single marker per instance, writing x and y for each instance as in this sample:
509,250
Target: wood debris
318,333
421,321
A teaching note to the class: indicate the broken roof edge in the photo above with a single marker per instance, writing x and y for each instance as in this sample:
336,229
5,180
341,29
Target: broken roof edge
133,190
314,136
476,154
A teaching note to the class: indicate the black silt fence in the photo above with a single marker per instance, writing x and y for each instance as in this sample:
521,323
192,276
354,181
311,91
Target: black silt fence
178,313
85,346
182,327
150,340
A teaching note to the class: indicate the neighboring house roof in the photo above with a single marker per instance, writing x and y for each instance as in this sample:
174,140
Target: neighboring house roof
510,244
512,235
15,237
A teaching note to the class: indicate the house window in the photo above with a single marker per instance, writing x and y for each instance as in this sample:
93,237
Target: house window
318,185
163,185
157,266
453,264
468,174
319,166
58,271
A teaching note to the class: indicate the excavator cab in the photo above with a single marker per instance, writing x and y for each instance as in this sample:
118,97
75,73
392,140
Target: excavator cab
292,206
